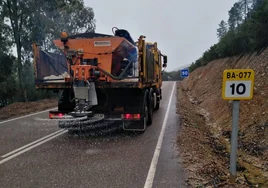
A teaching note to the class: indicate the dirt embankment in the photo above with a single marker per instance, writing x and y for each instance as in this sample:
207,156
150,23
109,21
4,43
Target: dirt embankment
23,108
206,125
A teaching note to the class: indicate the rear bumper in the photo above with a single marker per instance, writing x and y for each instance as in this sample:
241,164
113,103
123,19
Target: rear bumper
98,121
104,123
87,123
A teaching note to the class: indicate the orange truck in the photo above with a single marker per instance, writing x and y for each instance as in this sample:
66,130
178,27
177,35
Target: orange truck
102,78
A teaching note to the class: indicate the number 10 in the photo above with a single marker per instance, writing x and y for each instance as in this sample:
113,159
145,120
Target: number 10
240,89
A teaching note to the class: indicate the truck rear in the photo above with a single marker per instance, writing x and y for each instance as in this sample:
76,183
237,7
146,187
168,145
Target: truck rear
102,78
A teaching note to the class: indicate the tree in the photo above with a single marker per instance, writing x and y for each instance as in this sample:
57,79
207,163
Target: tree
257,4
222,30
72,17
259,24
6,63
41,21
235,16
245,4
18,13
242,36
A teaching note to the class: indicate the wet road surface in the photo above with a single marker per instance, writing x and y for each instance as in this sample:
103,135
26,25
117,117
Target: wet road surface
31,158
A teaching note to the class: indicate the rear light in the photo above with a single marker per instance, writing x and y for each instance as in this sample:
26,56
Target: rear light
57,115
131,116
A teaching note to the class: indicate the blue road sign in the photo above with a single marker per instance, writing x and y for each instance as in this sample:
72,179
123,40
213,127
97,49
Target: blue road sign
184,73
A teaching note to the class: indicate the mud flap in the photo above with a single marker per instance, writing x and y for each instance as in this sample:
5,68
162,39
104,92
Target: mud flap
134,126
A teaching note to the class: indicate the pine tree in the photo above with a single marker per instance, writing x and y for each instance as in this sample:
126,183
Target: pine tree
222,30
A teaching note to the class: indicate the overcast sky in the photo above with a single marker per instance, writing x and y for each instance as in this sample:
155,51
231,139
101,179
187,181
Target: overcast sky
182,29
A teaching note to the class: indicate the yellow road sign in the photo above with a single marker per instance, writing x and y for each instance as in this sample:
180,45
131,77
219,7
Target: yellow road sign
238,84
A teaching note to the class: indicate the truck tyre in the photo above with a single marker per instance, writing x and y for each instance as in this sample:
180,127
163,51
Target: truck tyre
158,98
145,113
157,105
150,107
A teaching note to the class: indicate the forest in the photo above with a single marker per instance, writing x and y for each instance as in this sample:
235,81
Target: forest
25,22
244,32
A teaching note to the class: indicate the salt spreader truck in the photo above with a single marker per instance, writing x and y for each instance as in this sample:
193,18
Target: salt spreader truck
102,77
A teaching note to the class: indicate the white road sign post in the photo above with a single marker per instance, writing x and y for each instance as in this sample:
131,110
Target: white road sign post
237,85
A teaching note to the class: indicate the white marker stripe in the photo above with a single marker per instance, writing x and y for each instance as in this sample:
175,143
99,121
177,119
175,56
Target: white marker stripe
29,148
21,148
32,114
152,170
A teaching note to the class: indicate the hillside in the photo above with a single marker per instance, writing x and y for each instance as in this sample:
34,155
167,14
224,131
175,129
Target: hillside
204,138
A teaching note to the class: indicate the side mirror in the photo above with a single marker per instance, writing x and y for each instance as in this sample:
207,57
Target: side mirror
165,61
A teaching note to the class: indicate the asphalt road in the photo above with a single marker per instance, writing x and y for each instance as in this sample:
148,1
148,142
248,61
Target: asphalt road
31,158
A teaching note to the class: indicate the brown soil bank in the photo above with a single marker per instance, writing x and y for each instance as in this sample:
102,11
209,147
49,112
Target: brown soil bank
23,108
204,139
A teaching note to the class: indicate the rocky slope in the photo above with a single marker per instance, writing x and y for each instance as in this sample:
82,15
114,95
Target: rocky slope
206,125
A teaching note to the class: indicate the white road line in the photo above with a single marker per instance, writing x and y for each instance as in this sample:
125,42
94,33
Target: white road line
32,114
31,147
21,148
152,170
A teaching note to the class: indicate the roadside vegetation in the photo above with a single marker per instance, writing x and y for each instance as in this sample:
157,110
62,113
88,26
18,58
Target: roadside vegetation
244,32
25,22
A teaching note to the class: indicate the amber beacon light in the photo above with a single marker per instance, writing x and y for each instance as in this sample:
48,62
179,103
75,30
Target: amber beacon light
64,36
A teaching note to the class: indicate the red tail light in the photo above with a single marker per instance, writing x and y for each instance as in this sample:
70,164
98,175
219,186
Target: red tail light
56,115
131,116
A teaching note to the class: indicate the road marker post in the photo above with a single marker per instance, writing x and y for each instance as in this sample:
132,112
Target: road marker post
238,84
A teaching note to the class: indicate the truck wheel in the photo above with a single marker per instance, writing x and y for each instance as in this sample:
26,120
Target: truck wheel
157,105
158,98
145,113
150,107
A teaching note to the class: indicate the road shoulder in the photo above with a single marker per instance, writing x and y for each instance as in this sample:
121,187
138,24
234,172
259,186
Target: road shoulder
25,108
203,155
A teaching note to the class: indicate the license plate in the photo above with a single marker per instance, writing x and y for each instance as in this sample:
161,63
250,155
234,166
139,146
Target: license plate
99,115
